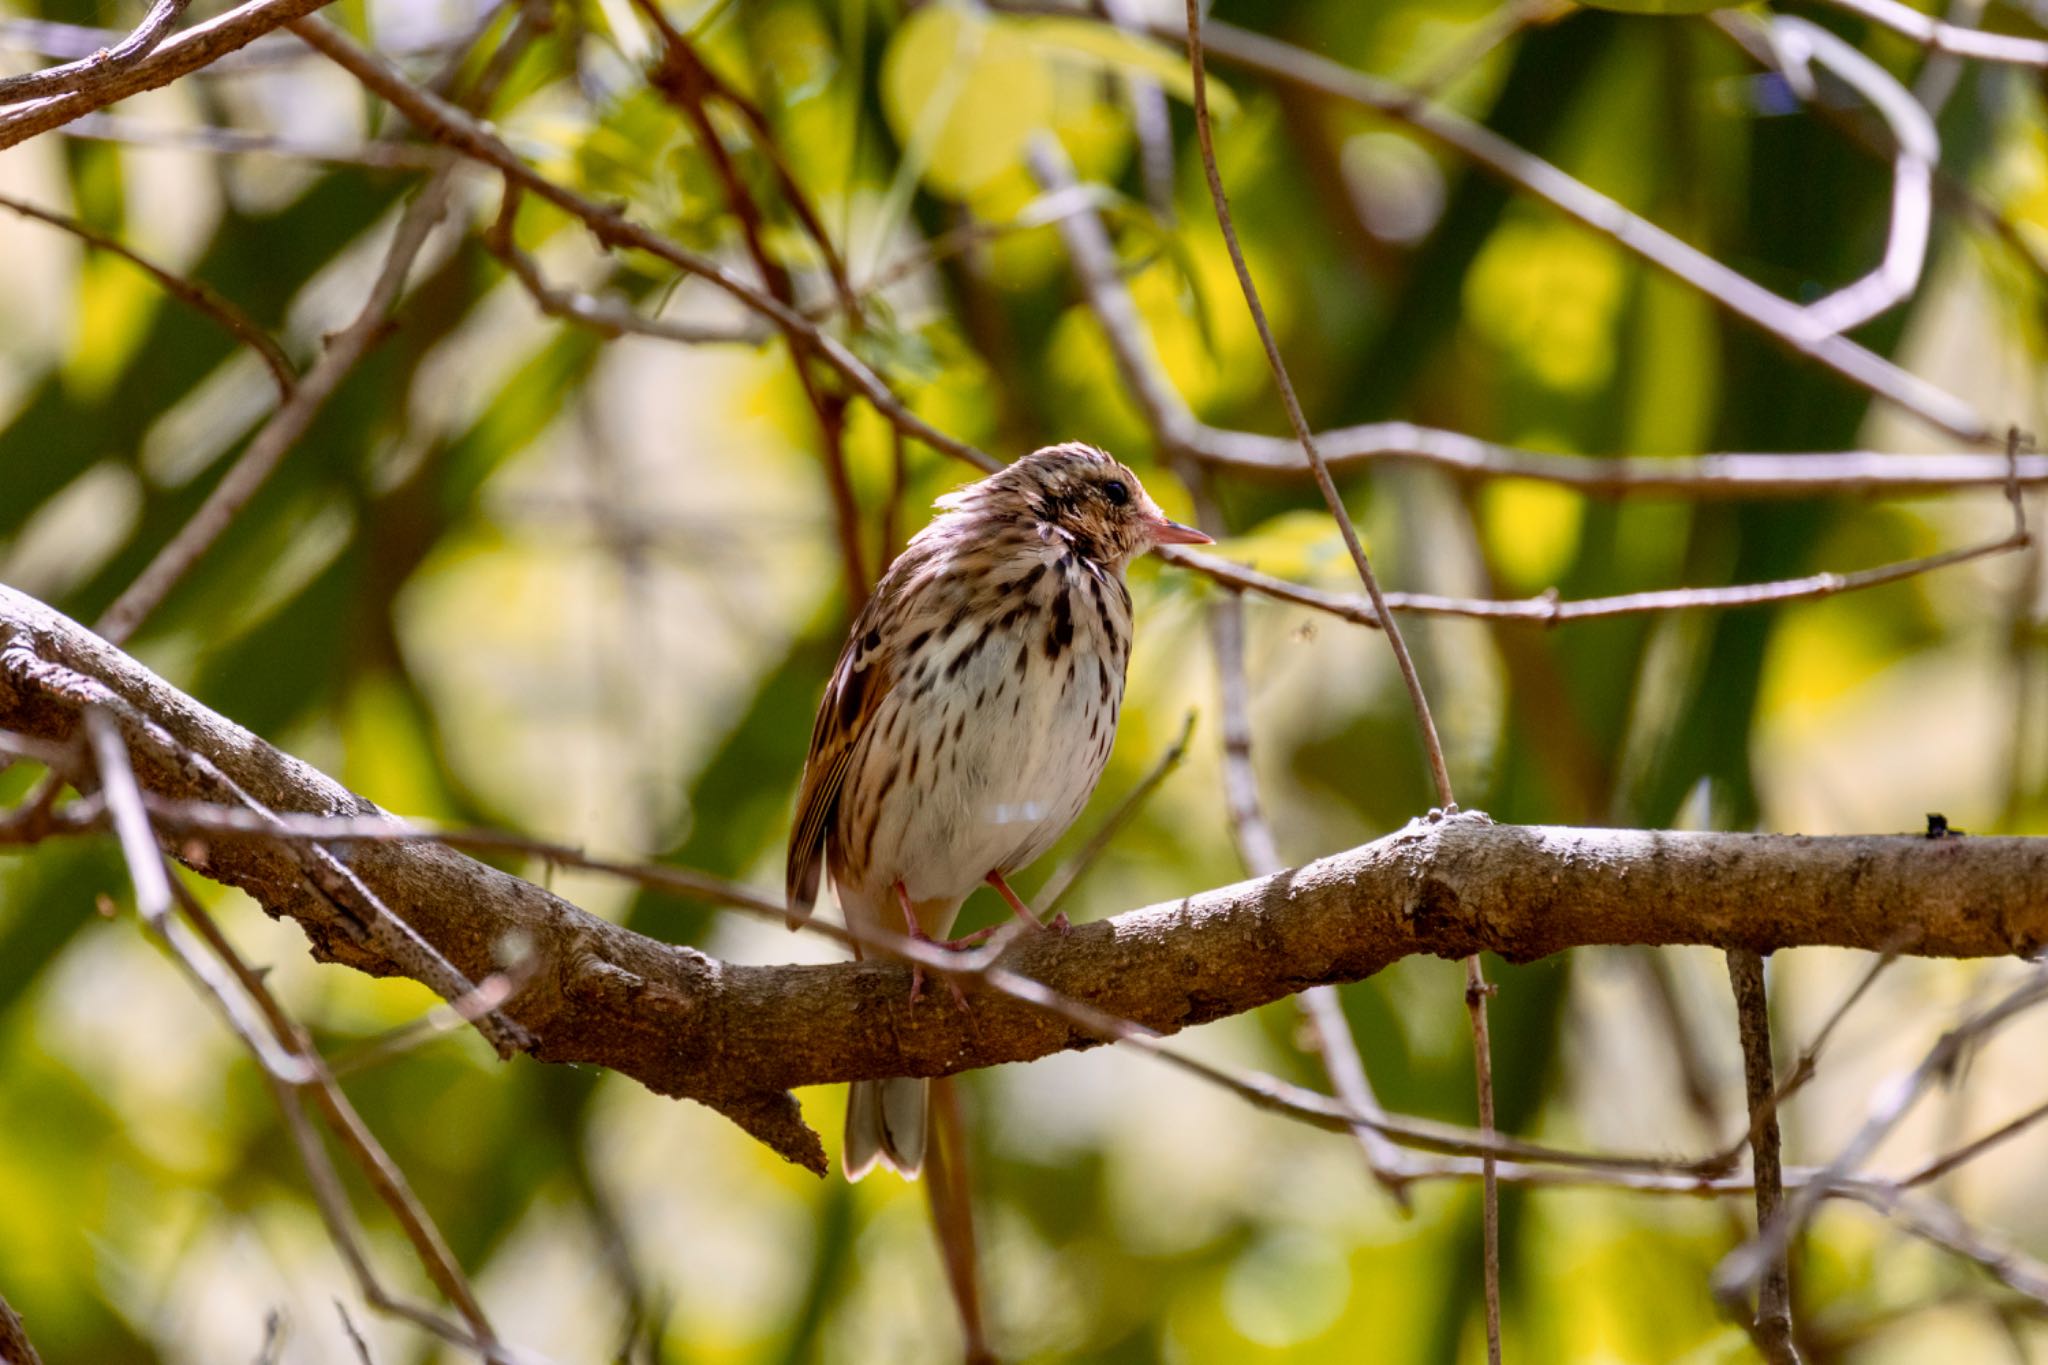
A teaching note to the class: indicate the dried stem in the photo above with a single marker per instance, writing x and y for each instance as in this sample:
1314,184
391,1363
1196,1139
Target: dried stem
445,123
197,294
1770,1327
686,82
267,449
1746,1267
948,1190
1938,36
1475,987
1548,609
1260,853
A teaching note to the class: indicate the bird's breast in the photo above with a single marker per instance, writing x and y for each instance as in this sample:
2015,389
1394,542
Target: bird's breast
998,732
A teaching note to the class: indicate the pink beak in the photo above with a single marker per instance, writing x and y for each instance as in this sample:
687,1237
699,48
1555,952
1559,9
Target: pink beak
1166,532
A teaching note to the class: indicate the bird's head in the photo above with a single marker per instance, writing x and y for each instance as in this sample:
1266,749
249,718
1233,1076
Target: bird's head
1077,493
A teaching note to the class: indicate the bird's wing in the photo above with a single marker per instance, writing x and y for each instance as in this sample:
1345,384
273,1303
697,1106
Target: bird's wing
859,683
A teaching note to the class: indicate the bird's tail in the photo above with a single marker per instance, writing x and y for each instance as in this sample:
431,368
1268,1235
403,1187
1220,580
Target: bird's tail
886,1122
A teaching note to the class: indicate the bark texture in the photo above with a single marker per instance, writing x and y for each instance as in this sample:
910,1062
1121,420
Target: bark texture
739,1038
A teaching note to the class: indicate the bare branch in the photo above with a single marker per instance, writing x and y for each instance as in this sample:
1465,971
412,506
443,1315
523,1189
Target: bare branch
1550,610
1937,36
1770,1326
1788,322
1694,477
355,1138
243,142
606,317
1425,723
102,70
611,226
198,46
202,297
738,1037
1746,1266
1795,46
278,435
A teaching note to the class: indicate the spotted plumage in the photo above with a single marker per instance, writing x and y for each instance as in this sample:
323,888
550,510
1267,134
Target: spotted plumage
970,716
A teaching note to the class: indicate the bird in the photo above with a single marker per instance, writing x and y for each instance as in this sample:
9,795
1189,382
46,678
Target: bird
968,719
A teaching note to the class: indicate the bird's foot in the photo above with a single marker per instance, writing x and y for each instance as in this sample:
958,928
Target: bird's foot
952,945
1058,923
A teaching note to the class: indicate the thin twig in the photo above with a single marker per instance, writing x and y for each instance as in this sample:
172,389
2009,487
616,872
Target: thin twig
1259,852
1475,986
1729,288
344,351
1770,1327
1692,477
606,317
285,1056
457,129
204,298
1794,47
355,1137
364,913
685,82
491,993
1424,722
244,142
1548,610
153,893
1938,36
267,449
1807,1065
1746,1265
1505,23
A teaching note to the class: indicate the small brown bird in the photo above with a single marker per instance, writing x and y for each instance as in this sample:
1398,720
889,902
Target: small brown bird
969,718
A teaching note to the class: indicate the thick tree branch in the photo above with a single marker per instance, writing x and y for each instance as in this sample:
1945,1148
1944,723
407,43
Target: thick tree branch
739,1037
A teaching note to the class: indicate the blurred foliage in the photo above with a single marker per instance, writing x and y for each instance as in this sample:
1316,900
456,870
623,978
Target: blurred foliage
519,574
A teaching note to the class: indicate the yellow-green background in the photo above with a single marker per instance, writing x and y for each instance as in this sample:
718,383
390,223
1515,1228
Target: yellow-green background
520,576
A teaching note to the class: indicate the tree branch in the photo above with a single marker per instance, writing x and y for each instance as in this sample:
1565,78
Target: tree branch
15,1347
739,1037
198,46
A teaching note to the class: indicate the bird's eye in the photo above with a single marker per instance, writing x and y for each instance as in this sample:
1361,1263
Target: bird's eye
1115,491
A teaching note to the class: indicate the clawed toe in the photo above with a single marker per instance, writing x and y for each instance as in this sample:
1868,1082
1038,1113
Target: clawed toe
917,979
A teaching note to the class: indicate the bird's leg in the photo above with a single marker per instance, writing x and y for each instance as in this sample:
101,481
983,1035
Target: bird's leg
1058,923
915,932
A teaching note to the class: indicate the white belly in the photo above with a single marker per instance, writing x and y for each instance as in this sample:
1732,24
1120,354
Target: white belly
1008,759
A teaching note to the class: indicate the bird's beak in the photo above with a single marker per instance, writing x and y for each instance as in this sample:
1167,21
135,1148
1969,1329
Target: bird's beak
1166,532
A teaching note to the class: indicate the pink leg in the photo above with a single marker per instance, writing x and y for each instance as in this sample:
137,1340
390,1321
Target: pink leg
1058,923
915,932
